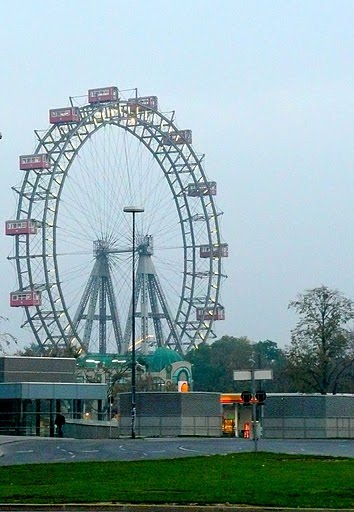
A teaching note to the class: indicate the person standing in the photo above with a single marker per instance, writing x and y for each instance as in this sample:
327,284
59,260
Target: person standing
59,423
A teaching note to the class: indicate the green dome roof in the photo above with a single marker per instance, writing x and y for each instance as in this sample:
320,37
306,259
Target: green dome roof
161,358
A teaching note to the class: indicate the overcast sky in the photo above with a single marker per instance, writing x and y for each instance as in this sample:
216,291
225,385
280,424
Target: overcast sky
266,87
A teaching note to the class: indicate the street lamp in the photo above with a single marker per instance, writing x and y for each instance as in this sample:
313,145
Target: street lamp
133,210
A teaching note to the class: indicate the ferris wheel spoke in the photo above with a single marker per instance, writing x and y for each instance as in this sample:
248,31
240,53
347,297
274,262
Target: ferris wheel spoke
107,156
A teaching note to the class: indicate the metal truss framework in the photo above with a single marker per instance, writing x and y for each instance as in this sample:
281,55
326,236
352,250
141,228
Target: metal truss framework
36,258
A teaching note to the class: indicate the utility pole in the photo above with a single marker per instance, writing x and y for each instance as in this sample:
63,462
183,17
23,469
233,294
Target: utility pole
254,407
253,375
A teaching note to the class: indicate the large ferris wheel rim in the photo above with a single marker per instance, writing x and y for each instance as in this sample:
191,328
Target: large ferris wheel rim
66,136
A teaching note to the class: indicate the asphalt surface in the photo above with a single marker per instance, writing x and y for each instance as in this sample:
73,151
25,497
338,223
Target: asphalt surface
32,450
27,450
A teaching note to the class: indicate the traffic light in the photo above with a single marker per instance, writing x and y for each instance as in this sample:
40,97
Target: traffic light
246,397
261,396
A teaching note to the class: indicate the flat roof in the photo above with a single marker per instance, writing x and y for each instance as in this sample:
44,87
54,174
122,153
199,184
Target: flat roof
38,357
52,390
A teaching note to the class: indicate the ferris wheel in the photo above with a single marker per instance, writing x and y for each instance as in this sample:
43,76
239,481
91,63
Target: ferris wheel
73,244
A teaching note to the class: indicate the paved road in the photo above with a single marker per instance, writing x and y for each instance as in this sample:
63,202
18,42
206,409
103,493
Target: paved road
27,450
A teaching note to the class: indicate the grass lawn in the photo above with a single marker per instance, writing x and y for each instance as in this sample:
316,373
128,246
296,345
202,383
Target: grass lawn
246,478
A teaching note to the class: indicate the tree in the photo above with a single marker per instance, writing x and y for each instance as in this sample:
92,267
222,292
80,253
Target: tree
34,350
202,370
229,354
213,365
268,355
321,350
6,338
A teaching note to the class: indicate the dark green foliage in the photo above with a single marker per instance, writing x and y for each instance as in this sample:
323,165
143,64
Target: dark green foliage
203,371
321,353
320,357
213,365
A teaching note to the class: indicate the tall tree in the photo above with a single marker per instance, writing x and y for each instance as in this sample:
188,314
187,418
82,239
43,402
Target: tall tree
6,338
203,372
229,354
268,355
321,349
213,365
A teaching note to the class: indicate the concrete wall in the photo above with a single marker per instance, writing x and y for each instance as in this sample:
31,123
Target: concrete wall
340,416
83,429
37,369
172,414
308,416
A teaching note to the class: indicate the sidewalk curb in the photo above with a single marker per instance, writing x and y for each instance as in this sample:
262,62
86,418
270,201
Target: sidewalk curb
128,507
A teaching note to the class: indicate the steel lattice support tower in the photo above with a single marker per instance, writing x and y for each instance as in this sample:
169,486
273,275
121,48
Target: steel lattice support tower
100,150
99,287
149,290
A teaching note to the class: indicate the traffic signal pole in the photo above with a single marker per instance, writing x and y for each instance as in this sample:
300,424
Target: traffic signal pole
254,410
254,397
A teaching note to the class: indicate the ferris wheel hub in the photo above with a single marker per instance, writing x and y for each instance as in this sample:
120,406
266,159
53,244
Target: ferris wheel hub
179,207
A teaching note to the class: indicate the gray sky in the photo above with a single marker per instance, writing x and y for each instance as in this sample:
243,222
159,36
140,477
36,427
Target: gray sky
266,87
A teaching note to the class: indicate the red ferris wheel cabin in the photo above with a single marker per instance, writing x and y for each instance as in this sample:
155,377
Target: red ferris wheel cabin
103,95
210,313
216,251
202,189
180,137
64,115
142,103
21,227
25,298
40,161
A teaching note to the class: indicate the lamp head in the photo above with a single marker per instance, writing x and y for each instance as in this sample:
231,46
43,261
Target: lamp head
133,209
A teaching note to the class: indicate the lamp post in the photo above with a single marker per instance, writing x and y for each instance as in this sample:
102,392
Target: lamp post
133,210
254,406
